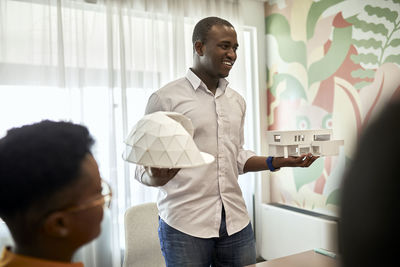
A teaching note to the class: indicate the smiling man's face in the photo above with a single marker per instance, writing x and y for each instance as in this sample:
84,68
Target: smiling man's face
219,51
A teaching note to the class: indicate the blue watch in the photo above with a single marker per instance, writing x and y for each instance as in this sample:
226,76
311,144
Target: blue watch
269,163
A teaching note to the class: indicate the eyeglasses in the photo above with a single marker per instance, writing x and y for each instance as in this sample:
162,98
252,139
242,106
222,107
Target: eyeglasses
104,200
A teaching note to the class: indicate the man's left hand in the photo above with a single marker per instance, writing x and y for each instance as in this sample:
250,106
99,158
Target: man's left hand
304,160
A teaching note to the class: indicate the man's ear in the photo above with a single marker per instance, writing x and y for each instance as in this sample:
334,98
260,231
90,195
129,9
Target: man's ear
198,47
57,225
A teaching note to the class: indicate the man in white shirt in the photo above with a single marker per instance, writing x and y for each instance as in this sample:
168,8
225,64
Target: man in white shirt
203,217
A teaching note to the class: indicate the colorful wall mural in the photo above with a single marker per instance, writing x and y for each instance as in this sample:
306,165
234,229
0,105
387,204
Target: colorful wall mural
330,64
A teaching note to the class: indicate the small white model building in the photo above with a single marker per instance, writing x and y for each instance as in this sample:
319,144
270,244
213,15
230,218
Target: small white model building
294,143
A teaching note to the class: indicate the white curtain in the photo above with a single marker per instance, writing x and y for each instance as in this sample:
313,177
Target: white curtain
96,62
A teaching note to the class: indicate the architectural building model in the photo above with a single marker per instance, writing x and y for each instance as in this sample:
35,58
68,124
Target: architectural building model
295,143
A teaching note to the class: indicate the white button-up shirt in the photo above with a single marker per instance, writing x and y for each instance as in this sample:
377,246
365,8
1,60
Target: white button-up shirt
192,201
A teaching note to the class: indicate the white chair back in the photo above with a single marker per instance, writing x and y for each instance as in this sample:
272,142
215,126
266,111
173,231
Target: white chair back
142,246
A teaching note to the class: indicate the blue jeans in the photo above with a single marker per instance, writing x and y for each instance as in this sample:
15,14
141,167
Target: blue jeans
182,250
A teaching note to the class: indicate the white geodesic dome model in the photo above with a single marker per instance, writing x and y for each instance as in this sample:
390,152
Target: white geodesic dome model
164,140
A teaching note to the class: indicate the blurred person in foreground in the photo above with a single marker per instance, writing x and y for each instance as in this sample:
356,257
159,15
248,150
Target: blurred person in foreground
51,193
368,229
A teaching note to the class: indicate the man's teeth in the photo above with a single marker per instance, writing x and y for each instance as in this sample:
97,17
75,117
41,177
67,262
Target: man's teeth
227,63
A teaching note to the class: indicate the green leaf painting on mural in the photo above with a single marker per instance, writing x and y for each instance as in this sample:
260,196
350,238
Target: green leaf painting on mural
364,58
387,29
361,73
308,175
289,50
316,10
393,59
334,197
395,42
367,43
337,52
295,51
368,26
382,13
294,89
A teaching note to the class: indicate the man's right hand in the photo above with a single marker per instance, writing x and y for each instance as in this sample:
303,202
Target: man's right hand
159,176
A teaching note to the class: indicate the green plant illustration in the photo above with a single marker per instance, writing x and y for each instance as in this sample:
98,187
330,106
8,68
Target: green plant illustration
294,89
295,51
289,50
316,10
393,19
312,65
329,64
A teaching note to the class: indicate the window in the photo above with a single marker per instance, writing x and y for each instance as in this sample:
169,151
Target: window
98,69
322,137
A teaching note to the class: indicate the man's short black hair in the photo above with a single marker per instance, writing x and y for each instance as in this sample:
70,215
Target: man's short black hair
38,160
203,27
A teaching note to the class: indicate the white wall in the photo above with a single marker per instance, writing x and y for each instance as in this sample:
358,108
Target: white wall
287,232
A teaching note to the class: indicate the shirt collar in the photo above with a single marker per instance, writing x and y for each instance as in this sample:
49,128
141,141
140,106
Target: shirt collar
196,82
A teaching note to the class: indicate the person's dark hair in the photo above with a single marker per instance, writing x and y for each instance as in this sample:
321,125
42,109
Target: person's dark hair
203,27
368,226
38,160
